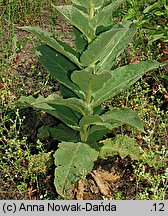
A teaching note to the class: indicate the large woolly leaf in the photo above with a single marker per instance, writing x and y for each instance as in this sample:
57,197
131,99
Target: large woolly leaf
94,128
89,82
96,133
73,161
122,78
66,92
51,41
61,133
65,114
88,120
123,37
81,3
77,18
108,45
79,40
122,145
73,103
123,116
104,16
55,99
30,101
96,4
58,66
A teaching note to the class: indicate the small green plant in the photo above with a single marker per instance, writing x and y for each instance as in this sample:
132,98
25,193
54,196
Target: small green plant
18,165
146,13
88,77
156,188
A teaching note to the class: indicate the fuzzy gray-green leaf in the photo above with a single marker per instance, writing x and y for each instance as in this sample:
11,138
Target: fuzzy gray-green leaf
122,145
89,120
96,133
73,103
104,16
77,18
122,78
55,99
61,112
108,45
121,41
58,66
63,133
123,116
51,41
96,4
89,82
73,161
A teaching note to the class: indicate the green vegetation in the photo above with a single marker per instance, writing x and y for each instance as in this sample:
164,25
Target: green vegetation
91,126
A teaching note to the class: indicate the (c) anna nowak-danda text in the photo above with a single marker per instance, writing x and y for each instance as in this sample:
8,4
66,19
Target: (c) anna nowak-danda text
50,207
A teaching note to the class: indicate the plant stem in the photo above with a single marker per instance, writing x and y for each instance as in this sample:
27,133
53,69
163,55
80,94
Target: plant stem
84,134
91,10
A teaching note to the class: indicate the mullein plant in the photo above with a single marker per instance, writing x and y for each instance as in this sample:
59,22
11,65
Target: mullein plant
88,76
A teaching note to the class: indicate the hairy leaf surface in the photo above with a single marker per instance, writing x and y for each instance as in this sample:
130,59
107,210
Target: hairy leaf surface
104,17
96,4
77,18
51,41
123,116
66,115
79,40
73,103
58,66
108,45
122,145
63,133
96,133
89,120
121,41
73,161
122,78
54,99
89,82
